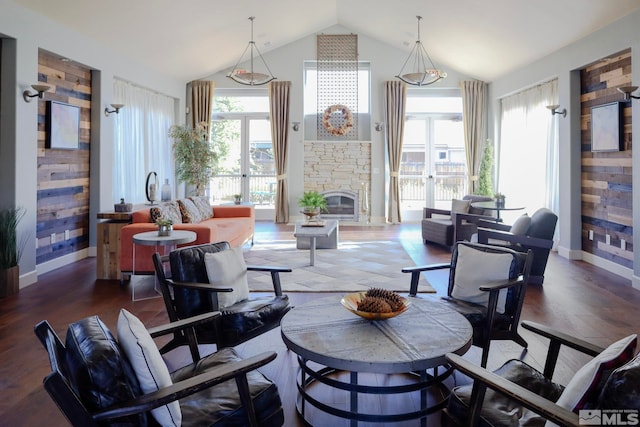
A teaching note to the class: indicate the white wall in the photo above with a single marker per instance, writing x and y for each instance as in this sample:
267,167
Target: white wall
32,32
286,63
564,64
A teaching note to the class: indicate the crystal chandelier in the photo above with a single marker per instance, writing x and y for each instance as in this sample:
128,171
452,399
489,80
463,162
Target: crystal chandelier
250,77
420,74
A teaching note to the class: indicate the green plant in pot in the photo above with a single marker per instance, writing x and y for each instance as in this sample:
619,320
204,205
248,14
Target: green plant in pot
10,250
312,203
195,156
165,226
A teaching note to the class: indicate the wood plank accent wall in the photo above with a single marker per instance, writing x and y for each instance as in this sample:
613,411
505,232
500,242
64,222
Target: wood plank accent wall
606,176
63,175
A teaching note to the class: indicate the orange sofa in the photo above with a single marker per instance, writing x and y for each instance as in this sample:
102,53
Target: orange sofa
233,223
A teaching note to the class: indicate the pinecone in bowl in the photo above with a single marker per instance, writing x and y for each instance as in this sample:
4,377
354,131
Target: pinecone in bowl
392,298
374,305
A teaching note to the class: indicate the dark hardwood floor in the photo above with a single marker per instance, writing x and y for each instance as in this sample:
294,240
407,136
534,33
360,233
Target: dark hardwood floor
577,298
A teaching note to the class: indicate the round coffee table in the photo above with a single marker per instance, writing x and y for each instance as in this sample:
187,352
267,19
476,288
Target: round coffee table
324,332
151,238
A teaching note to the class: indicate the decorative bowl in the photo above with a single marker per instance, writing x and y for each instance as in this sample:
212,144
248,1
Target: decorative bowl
350,302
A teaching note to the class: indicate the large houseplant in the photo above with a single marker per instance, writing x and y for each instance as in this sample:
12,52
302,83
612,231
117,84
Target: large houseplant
10,250
195,157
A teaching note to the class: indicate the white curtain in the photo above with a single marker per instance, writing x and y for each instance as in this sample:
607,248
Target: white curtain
141,142
528,153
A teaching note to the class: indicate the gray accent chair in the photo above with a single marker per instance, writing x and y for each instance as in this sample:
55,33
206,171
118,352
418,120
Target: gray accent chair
445,227
537,237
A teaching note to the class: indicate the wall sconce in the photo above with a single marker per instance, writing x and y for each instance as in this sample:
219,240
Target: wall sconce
627,91
295,126
554,110
39,88
379,126
116,109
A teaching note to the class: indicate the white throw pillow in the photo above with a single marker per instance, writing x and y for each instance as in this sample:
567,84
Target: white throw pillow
475,268
586,383
227,268
460,206
521,225
150,369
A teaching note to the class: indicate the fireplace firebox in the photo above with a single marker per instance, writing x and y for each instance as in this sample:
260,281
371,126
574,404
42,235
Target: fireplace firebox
342,205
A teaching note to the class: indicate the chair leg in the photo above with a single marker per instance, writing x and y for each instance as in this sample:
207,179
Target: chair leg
485,354
518,338
245,398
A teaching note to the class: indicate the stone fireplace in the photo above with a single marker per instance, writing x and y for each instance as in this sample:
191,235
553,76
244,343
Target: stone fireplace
342,205
338,170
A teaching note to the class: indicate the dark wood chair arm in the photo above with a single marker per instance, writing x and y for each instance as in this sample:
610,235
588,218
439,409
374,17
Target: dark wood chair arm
475,218
430,267
186,387
183,324
483,379
564,339
458,218
556,340
493,225
488,287
415,274
275,275
429,212
199,286
485,234
269,268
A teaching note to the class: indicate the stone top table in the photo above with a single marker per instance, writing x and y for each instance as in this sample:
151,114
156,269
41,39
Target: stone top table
151,238
323,331
327,229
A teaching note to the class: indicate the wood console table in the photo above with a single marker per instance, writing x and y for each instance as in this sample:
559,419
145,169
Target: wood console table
108,242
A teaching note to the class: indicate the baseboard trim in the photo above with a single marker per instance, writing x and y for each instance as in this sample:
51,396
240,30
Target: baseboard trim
610,266
48,266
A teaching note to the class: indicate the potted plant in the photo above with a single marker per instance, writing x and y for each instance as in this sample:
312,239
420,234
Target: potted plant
165,226
195,156
237,198
10,250
312,203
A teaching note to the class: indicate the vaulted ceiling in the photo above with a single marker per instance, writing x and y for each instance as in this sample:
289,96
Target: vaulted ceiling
191,39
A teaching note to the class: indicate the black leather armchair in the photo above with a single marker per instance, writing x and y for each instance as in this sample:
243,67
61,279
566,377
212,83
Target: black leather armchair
93,383
488,323
538,238
518,394
187,292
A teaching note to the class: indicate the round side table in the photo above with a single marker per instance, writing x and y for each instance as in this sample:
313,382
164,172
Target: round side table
150,238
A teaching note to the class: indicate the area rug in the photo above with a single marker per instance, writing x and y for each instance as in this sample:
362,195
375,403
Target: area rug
354,266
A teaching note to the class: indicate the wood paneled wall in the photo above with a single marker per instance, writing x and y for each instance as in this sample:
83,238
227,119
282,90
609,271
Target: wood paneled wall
63,175
606,176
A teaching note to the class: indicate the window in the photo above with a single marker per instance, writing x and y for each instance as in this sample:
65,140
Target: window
142,144
311,100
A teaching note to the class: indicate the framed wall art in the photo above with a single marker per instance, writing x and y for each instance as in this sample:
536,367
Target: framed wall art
63,125
606,127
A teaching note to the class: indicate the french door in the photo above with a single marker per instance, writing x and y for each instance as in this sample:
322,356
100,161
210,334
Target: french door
247,167
433,167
